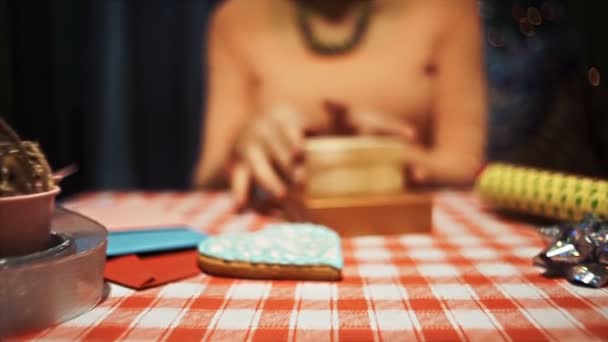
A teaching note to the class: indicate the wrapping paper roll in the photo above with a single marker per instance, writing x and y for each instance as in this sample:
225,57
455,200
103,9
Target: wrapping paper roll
542,193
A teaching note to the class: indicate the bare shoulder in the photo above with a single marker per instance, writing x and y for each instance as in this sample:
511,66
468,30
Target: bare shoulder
453,14
236,18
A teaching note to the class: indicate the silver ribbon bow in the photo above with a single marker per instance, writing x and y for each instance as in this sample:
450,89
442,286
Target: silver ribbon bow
577,251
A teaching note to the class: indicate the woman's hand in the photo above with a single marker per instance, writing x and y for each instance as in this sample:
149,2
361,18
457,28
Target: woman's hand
268,150
366,122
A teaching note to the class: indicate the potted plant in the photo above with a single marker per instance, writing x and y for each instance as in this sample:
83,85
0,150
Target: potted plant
27,195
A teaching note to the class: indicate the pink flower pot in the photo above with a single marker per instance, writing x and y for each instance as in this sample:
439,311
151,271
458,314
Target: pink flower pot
25,223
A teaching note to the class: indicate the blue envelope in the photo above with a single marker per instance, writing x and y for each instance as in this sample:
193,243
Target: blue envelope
156,240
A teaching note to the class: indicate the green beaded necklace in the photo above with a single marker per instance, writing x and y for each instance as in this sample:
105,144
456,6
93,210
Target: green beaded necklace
315,44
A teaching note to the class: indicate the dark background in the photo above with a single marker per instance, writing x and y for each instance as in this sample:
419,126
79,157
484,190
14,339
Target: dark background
117,86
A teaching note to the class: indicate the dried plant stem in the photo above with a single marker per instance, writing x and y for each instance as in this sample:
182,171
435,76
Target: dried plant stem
23,167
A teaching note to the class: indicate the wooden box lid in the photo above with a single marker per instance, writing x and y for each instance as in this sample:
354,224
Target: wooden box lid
358,165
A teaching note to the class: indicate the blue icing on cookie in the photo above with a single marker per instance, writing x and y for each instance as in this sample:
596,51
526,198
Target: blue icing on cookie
299,244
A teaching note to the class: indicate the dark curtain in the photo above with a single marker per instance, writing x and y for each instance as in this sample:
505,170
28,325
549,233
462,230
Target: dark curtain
592,23
545,111
114,86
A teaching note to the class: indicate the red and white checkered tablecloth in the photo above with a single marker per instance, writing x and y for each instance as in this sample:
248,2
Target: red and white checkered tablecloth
472,279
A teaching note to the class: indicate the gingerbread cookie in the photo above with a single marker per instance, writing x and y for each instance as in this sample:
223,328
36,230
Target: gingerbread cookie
278,251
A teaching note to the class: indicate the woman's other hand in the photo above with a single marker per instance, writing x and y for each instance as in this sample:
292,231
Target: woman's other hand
367,122
267,150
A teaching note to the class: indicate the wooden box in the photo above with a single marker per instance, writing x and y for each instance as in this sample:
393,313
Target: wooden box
365,215
354,166
357,186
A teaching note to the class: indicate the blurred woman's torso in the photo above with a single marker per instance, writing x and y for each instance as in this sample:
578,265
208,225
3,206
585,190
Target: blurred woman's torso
391,71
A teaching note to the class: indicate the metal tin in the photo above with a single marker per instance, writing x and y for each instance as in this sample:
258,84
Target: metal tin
44,289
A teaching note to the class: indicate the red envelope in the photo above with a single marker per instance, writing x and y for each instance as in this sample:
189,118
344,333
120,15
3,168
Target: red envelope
144,271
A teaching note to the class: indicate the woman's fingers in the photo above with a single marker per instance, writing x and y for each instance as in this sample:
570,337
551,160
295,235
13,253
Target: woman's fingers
343,122
346,121
419,162
268,148
299,174
420,174
280,138
262,170
290,126
240,180
289,139
275,143
372,123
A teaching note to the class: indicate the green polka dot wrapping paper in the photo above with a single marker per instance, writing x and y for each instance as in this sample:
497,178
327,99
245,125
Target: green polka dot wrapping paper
542,193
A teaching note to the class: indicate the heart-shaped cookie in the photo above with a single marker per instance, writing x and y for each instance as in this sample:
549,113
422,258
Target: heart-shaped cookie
277,251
